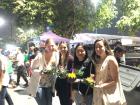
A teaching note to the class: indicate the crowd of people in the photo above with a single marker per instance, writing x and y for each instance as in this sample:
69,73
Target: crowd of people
49,67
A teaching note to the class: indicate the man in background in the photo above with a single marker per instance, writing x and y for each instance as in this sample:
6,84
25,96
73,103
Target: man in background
119,52
21,70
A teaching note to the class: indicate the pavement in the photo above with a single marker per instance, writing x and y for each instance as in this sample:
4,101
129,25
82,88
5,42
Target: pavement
20,96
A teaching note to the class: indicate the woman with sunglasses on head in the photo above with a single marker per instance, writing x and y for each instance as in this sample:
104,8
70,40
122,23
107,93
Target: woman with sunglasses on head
82,92
63,87
107,88
47,63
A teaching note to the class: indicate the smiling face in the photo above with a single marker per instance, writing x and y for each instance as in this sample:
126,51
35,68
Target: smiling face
80,53
50,45
100,49
63,48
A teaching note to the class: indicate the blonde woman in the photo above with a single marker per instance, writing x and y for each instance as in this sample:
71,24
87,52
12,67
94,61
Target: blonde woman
107,89
47,63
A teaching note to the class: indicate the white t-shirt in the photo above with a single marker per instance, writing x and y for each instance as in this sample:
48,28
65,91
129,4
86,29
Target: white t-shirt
4,63
20,59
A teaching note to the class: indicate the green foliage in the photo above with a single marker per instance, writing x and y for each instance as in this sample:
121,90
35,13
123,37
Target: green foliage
105,14
33,13
84,12
71,16
24,35
129,23
67,17
30,13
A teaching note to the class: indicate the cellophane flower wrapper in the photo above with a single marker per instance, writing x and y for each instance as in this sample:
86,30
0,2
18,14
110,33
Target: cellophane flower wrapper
62,73
89,81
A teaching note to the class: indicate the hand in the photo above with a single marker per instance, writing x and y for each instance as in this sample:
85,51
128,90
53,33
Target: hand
78,80
98,86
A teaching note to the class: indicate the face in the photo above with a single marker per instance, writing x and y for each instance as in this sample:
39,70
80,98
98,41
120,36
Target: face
100,48
49,47
80,52
63,48
120,54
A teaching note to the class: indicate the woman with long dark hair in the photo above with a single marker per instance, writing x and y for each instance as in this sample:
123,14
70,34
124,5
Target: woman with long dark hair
107,88
63,87
82,93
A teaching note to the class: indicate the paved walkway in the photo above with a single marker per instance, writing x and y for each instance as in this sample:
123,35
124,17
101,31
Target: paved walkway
20,96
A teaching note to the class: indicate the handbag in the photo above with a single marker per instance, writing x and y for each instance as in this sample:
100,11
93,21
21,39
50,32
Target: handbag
114,96
34,83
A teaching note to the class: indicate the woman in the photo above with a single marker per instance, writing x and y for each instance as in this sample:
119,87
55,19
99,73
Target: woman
107,89
46,62
63,87
82,93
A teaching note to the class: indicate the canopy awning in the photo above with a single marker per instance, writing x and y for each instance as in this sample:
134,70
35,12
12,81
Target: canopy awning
53,36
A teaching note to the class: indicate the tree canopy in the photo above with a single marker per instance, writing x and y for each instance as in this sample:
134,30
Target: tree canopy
66,17
129,22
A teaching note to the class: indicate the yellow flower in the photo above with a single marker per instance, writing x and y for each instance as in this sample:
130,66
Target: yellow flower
72,75
90,81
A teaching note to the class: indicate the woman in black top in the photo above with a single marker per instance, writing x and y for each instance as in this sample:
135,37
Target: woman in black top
63,87
82,93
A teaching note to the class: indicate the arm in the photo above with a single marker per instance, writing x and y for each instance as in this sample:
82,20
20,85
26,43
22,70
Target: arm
1,74
36,61
113,72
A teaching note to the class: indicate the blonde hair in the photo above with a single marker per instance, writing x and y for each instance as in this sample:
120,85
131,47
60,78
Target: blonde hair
50,41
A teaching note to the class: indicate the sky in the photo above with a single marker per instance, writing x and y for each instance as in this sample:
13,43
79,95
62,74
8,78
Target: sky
6,30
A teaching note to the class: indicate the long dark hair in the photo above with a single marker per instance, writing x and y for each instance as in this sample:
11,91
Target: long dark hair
107,49
76,60
67,54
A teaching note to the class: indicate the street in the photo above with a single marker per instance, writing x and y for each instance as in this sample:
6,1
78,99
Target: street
20,97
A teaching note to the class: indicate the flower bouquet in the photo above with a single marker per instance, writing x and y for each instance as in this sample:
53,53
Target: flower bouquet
71,76
79,73
49,69
89,81
62,73
74,73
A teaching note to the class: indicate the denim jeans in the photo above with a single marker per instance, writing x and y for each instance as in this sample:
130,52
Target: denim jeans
44,96
5,95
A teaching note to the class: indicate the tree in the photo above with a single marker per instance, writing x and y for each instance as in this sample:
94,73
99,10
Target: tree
129,23
67,17
30,13
72,16
81,14
106,12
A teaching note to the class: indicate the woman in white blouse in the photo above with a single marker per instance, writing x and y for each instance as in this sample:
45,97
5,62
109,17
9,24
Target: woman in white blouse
47,63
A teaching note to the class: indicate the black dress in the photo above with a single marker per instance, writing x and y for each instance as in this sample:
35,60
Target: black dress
88,68
63,87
